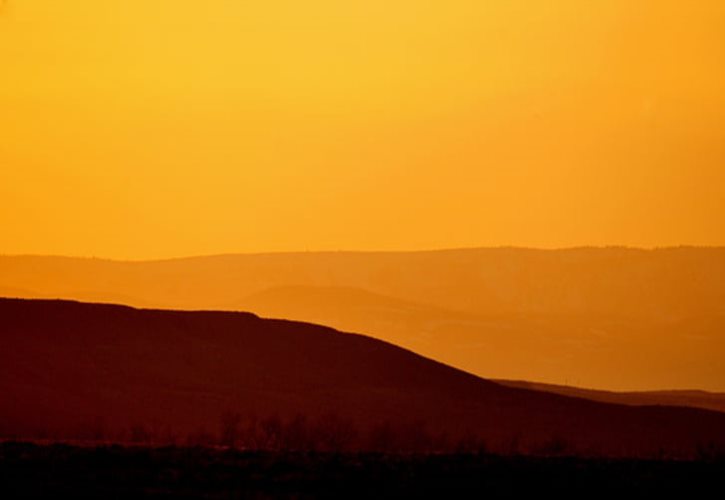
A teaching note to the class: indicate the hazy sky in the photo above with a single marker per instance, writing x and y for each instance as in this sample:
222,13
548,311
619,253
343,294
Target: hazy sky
153,128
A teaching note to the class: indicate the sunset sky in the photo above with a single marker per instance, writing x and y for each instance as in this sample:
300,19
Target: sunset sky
156,128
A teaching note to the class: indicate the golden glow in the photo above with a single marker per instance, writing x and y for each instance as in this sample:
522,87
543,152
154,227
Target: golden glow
150,128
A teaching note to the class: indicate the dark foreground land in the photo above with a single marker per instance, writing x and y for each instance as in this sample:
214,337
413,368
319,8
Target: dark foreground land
30,471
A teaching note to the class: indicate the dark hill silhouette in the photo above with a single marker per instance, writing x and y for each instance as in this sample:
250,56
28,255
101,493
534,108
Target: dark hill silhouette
68,366
452,336
556,316
534,346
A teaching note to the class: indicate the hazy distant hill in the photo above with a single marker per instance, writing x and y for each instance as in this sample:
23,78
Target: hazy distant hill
696,399
665,283
68,367
612,318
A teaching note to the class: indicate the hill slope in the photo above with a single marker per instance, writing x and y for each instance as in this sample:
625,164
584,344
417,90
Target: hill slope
573,348
556,316
66,365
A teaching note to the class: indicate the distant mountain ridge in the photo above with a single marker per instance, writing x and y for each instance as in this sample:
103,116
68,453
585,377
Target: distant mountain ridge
696,399
555,316
669,282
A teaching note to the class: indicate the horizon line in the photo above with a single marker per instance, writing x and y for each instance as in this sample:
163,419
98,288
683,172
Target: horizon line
340,251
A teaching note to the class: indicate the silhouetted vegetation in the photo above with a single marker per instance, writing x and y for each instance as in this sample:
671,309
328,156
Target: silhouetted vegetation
332,433
329,433
30,470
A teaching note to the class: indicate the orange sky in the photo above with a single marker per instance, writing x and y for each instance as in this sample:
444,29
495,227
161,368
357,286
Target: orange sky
155,128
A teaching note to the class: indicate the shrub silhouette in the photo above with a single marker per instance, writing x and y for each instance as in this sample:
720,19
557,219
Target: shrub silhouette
230,432
555,446
297,434
200,437
382,437
270,432
334,433
139,433
709,452
470,443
